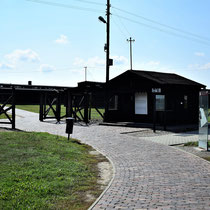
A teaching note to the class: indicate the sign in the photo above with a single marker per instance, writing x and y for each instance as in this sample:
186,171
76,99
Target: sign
156,90
203,120
203,93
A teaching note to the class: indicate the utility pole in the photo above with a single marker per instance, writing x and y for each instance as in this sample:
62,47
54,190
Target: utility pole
109,62
108,40
85,73
131,40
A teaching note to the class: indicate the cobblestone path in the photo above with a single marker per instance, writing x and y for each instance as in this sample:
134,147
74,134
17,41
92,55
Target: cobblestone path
148,175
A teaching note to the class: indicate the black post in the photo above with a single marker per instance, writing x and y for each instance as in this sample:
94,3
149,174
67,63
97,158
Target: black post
165,117
41,107
13,108
108,40
45,105
58,107
90,105
86,105
69,104
154,113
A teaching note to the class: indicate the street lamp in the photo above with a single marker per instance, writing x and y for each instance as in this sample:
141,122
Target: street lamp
102,19
109,62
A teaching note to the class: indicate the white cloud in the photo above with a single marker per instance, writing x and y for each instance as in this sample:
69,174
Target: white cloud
150,65
119,60
205,66
78,62
91,62
98,62
5,66
46,68
62,39
199,54
27,55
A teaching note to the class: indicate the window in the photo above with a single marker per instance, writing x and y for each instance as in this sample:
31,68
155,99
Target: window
160,102
141,103
113,103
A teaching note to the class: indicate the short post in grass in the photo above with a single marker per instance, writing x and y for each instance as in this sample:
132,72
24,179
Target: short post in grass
69,126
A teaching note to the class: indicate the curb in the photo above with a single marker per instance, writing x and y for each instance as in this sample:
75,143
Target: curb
110,183
191,154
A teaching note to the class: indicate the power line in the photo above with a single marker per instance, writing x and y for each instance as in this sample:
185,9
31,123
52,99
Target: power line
91,2
164,25
56,70
165,31
65,6
123,24
119,27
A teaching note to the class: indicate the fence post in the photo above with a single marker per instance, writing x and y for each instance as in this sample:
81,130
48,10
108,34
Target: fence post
13,108
90,105
69,104
86,106
41,107
58,107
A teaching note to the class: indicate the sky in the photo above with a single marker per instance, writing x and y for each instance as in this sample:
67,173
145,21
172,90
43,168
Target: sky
50,42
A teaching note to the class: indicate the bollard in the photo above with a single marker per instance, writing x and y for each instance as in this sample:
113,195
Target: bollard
69,126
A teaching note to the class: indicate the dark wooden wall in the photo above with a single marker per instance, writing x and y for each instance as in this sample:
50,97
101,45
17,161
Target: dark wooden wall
126,87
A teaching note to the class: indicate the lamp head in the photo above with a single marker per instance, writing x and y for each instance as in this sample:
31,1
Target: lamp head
102,19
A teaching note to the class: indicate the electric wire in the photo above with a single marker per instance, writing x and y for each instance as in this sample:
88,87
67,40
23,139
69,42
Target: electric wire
65,6
164,25
191,36
165,31
129,34
91,2
119,28
56,70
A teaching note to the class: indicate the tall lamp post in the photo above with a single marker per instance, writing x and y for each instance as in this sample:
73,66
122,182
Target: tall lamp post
109,62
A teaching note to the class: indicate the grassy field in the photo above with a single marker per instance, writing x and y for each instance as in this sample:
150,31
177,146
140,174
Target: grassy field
30,108
194,144
35,108
209,116
43,171
3,116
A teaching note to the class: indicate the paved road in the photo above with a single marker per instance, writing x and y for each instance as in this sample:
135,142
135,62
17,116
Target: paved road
148,175
166,138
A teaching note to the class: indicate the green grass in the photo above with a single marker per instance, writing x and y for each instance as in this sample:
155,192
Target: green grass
209,116
35,108
207,158
30,108
194,144
3,116
191,144
43,171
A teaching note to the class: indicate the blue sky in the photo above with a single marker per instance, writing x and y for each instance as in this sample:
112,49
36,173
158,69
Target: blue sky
52,44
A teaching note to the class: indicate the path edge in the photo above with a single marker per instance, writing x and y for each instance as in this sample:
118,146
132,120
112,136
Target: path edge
110,183
174,147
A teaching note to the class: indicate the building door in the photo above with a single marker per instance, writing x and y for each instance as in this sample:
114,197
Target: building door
141,106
